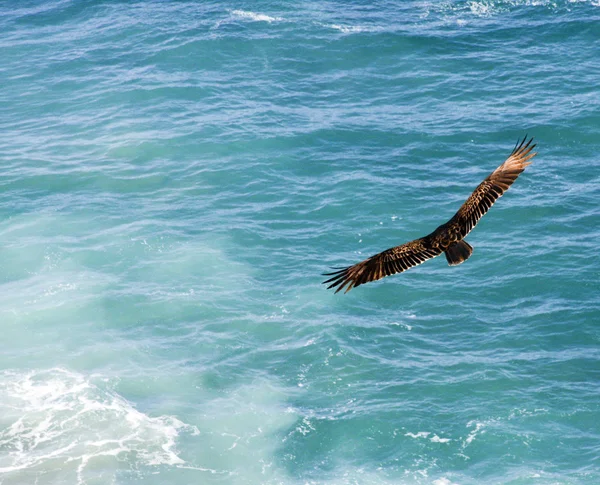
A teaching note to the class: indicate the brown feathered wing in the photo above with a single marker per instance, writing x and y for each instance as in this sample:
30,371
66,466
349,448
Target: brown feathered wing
492,188
389,262
400,258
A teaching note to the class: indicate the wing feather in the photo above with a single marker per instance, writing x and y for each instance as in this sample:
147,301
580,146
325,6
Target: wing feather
493,187
389,262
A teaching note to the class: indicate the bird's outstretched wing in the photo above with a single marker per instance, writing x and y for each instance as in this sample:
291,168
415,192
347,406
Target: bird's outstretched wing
488,191
389,262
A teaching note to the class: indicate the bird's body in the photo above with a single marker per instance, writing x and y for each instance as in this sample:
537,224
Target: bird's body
447,238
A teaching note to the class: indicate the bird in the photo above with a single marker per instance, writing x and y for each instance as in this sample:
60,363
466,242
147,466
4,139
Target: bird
447,238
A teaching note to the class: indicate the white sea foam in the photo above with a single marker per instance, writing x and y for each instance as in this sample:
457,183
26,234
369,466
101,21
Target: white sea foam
481,9
61,424
486,8
425,434
478,428
352,29
347,29
255,17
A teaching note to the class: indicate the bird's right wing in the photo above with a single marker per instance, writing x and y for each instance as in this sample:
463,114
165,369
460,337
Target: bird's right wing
492,188
389,262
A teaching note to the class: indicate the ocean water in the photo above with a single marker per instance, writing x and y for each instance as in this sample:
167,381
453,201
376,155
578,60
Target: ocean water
177,175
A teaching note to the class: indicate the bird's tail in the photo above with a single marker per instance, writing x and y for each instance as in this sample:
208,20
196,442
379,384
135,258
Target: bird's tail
458,253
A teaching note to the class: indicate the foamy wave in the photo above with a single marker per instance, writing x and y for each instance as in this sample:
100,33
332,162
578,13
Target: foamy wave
482,9
425,434
478,428
255,17
346,29
351,29
487,8
60,424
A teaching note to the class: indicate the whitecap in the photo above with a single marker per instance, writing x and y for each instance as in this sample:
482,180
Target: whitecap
478,427
255,17
61,424
347,29
481,9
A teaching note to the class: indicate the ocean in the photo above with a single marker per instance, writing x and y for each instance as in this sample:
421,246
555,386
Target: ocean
177,175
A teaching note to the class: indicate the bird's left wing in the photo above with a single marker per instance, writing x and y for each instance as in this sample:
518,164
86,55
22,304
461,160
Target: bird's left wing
389,262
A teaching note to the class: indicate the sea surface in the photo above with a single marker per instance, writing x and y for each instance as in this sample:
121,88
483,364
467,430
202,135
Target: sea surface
175,176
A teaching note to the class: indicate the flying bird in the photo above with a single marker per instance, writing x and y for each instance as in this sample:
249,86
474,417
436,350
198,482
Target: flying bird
447,238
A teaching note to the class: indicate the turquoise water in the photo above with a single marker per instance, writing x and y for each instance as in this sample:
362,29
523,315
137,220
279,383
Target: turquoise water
177,175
